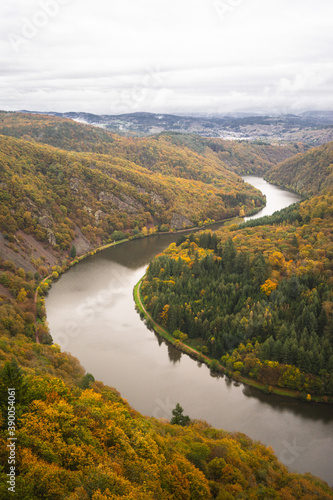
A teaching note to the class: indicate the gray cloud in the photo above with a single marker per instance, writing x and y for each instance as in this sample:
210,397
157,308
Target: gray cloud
166,56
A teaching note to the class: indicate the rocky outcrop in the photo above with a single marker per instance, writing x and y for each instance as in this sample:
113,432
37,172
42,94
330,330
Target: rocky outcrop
30,205
81,243
74,184
180,222
46,221
156,198
99,215
127,204
51,237
27,251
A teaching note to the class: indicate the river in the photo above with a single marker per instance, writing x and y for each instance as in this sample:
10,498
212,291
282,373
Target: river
91,314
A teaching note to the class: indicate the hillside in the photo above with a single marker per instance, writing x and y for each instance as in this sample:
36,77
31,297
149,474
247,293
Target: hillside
242,157
168,153
54,202
48,192
307,174
77,439
58,132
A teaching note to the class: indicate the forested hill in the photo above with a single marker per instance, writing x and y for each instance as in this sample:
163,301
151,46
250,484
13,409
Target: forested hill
58,132
78,440
307,174
49,193
158,154
242,157
183,155
313,128
55,204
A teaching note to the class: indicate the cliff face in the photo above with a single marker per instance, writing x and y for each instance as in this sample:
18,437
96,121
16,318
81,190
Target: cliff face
180,222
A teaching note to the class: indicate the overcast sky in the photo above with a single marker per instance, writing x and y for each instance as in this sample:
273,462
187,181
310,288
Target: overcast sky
171,56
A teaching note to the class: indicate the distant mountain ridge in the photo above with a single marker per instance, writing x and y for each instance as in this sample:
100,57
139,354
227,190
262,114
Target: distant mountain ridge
311,127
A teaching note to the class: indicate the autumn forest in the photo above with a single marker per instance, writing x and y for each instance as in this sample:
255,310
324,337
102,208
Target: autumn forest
253,299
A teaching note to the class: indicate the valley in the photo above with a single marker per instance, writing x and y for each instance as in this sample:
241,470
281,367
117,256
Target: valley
68,188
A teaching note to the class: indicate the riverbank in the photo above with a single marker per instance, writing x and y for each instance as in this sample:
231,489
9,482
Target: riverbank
214,364
43,286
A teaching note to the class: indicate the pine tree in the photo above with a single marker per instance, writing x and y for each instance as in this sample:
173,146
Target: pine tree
73,252
12,377
178,417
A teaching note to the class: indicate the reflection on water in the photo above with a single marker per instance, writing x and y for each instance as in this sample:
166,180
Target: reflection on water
319,411
92,315
175,355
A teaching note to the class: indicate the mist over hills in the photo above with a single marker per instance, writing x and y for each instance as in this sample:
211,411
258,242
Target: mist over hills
311,127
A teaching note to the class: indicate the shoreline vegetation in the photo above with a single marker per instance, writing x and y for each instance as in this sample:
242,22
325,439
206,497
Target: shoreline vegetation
44,285
214,365
42,288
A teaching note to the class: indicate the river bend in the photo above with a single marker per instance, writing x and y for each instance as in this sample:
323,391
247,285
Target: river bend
91,314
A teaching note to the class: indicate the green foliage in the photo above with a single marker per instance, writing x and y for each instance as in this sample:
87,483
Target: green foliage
118,235
72,253
12,378
87,380
178,417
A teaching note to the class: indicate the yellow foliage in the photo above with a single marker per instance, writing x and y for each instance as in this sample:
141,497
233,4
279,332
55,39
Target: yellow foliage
164,314
268,287
22,295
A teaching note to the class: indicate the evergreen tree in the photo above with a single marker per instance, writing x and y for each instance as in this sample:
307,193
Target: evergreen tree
12,377
229,255
178,417
87,380
73,252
